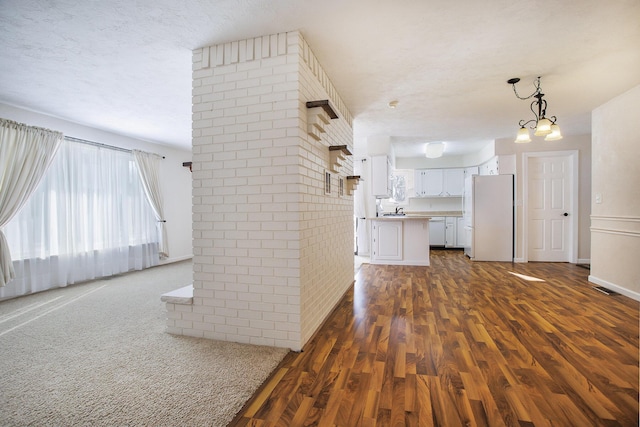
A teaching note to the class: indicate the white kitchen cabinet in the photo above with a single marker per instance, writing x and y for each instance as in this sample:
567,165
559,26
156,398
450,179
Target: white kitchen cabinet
450,232
461,236
472,170
453,184
454,236
437,231
433,182
439,182
490,167
418,180
380,177
402,240
387,240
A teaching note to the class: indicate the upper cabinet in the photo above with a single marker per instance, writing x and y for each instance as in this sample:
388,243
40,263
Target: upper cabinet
428,182
499,165
381,187
453,184
439,182
490,167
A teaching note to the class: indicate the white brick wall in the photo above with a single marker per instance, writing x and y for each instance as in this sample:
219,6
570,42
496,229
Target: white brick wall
273,253
327,220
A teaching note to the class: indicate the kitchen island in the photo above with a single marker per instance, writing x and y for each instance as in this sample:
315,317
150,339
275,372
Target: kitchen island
400,240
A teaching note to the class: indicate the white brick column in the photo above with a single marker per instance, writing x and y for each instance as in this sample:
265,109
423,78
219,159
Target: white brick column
273,253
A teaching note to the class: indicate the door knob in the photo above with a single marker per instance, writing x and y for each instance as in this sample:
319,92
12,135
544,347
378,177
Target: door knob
565,214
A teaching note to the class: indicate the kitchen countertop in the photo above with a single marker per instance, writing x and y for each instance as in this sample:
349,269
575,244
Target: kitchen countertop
400,217
422,214
435,213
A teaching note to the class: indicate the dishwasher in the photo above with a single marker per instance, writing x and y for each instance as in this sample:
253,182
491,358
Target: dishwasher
436,231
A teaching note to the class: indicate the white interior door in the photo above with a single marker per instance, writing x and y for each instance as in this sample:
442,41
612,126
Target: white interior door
549,203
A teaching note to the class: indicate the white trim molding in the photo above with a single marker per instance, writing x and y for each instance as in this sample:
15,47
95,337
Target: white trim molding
171,260
616,288
612,224
616,231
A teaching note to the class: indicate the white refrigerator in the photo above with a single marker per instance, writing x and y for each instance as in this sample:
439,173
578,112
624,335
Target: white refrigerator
488,211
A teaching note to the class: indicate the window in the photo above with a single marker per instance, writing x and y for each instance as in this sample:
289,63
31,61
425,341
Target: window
327,182
89,216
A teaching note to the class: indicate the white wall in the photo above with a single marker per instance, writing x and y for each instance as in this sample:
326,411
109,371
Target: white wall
615,220
175,180
326,262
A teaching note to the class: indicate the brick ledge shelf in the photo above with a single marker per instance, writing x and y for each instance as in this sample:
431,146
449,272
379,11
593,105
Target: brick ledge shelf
179,296
338,154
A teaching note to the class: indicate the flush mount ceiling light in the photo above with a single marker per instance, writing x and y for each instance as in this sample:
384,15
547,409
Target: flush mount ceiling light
542,125
393,104
434,150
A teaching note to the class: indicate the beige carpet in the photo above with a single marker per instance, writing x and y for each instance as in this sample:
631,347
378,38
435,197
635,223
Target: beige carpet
96,354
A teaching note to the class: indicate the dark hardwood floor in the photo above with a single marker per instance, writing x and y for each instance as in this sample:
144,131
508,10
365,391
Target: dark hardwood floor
462,344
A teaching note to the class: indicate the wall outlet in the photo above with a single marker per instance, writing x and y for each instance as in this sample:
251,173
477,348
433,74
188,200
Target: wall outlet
598,198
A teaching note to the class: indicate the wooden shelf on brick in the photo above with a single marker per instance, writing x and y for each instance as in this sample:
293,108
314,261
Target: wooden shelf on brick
338,154
325,105
352,183
319,115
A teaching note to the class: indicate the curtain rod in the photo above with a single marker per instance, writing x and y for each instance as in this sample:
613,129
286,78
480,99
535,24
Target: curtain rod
100,144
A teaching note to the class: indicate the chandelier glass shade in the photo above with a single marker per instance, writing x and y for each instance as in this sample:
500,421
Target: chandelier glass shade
543,128
542,125
555,133
523,135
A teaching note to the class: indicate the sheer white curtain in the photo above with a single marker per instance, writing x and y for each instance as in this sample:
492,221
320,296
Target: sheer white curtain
89,218
25,154
148,169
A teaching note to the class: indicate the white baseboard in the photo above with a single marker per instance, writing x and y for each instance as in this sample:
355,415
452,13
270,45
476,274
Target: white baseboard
580,260
175,259
616,288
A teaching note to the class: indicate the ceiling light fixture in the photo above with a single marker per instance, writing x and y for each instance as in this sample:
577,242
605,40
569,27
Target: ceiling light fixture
543,126
393,104
434,150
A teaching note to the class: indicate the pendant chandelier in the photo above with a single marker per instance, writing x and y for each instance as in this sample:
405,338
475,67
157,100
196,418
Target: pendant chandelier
542,125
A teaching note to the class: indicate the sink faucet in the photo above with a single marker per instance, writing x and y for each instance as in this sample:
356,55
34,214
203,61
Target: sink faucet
399,210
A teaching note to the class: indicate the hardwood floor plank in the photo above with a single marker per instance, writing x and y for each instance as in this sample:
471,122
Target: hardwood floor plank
484,409
462,343
371,405
262,397
410,393
360,392
398,411
423,393
445,412
301,414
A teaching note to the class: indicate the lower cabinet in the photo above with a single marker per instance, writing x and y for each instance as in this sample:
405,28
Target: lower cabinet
450,232
447,231
387,240
461,235
400,241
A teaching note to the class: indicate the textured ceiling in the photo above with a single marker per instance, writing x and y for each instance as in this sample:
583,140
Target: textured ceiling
125,66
